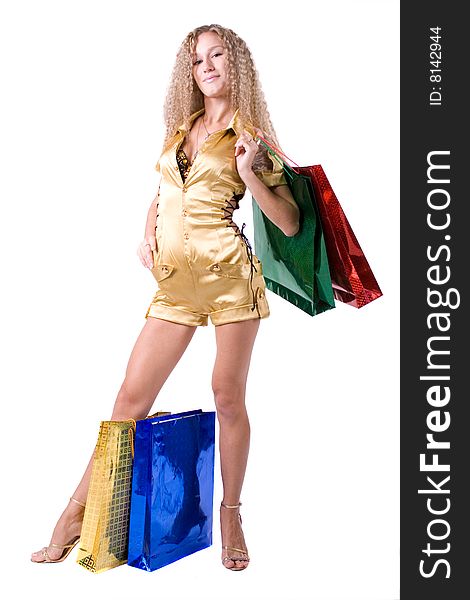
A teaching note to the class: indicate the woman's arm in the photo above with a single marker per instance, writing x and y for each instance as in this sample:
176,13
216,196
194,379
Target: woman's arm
151,219
277,203
149,243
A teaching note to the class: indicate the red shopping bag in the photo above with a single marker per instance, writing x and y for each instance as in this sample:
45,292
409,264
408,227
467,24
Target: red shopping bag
351,276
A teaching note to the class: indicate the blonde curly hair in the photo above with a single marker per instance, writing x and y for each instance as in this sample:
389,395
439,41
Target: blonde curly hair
183,96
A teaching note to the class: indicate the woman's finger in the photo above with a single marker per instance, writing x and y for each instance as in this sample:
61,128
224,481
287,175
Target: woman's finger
145,253
243,141
149,254
244,137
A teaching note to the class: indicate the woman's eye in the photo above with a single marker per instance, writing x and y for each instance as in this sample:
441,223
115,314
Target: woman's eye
196,62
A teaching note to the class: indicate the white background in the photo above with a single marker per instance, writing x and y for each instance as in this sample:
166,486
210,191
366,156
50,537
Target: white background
83,85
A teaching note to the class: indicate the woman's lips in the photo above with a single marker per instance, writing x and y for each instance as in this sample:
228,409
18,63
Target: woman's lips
210,79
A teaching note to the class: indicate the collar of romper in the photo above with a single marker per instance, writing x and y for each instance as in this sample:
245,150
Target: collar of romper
234,123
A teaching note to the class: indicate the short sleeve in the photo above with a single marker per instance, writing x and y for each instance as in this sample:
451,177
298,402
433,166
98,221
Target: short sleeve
268,169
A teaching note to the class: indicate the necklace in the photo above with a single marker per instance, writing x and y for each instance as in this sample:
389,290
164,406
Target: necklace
208,134
197,139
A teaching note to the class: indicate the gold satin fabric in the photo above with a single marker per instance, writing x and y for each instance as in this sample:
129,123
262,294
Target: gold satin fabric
202,264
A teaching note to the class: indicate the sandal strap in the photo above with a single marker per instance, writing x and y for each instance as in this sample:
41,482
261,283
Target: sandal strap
234,558
77,501
245,558
62,547
46,554
235,550
230,505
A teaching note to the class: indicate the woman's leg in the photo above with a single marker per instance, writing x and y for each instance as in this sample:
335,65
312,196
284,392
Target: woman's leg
234,348
158,349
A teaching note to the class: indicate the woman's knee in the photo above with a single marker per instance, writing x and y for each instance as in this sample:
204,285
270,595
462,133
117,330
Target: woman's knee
130,403
229,397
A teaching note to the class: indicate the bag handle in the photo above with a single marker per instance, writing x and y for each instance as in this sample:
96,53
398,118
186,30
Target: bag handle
159,413
134,425
132,440
276,151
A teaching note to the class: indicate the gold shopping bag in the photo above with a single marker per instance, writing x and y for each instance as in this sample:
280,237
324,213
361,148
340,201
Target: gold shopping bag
103,540
104,536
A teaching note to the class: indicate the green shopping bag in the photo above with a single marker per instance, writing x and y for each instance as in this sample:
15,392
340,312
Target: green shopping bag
295,268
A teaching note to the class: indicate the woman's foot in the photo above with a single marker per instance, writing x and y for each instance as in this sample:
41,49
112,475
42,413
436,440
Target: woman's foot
233,538
68,527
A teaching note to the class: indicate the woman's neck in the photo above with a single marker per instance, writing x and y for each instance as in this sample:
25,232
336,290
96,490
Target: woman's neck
217,113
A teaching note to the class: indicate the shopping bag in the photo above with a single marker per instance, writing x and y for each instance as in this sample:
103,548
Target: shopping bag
104,536
172,488
295,267
352,278
103,539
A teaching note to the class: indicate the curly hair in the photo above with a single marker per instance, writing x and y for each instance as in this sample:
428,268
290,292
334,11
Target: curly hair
184,97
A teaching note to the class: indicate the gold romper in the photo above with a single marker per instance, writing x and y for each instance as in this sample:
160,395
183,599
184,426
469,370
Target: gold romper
204,264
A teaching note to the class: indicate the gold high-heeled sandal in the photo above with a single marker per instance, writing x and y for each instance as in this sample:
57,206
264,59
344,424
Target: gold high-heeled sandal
67,548
245,558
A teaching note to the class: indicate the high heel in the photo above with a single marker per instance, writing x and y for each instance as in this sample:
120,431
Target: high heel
66,548
245,558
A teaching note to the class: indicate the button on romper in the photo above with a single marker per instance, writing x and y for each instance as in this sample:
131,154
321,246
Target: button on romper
204,264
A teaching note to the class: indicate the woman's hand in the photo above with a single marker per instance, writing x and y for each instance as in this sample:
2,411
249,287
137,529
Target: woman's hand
245,151
144,251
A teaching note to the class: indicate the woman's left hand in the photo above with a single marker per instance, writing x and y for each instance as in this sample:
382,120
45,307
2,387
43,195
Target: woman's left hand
245,151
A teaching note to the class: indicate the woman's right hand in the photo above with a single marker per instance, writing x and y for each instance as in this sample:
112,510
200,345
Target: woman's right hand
144,251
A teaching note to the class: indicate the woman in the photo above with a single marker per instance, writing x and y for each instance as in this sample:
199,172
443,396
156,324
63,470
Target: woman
202,261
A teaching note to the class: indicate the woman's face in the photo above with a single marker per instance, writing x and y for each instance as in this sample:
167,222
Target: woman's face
209,65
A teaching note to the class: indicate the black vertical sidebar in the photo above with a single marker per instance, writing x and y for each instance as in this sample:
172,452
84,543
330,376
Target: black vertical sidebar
434,253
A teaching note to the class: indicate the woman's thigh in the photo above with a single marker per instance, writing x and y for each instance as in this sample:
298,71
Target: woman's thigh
158,348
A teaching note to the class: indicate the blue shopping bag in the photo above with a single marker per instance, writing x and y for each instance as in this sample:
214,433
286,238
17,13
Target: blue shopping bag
172,488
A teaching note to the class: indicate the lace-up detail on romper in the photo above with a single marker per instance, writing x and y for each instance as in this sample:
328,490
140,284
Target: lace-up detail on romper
232,205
